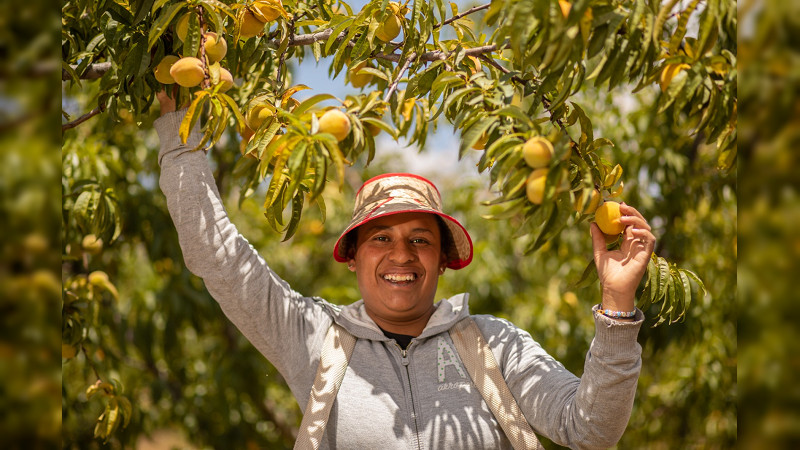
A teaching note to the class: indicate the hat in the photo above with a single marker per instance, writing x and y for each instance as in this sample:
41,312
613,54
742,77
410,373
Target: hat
395,193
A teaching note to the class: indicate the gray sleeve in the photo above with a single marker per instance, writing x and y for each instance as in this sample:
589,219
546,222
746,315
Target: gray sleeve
589,412
282,324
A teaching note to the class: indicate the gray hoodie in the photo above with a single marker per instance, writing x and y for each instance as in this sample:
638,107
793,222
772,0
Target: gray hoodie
419,398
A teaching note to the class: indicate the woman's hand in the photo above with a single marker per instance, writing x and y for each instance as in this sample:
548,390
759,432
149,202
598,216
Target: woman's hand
166,101
620,271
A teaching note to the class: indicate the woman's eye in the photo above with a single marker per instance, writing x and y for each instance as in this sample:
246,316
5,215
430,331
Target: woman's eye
419,241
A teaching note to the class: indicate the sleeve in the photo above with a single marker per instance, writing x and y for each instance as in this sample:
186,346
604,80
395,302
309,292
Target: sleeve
284,326
589,412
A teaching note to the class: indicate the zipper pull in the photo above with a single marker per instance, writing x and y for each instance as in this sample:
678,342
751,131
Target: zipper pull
404,354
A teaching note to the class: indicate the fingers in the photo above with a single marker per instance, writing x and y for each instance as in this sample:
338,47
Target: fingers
631,216
637,231
598,240
641,238
166,101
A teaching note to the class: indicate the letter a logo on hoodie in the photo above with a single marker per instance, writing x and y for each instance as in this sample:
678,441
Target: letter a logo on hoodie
447,357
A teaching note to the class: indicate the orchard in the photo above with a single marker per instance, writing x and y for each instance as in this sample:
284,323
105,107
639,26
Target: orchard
568,108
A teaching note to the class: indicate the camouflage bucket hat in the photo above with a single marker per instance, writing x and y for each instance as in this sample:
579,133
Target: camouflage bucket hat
395,193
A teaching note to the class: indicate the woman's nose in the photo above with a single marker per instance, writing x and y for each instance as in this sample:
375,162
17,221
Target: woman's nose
402,252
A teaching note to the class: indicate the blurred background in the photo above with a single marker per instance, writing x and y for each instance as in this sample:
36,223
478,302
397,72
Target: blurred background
30,281
769,208
194,382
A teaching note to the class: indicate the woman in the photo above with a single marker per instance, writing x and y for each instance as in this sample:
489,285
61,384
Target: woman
405,385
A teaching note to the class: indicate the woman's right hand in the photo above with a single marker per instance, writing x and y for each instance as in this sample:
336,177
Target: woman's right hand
167,102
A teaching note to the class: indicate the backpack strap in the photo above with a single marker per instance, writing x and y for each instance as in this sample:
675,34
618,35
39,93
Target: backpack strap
485,373
335,355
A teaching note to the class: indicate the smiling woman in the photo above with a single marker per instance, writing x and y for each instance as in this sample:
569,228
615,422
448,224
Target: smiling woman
419,365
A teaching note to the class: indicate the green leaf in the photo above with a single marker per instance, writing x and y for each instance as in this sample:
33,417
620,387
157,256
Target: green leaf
297,164
240,122
599,143
675,301
133,61
337,157
320,173
162,22
514,112
278,178
653,279
119,13
680,31
697,280
587,134
504,164
297,210
380,124
644,299
158,4
142,11
663,276
687,291
220,121
336,32
588,276
85,208
552,212
311,101
458,95
192,115
191,46
514,208
213,15
127,409
661,18
473,133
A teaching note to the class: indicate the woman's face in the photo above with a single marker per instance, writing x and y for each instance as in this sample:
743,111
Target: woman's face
398,261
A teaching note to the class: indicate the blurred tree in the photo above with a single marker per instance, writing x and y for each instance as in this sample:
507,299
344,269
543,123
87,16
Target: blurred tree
146,350
769,210
30,286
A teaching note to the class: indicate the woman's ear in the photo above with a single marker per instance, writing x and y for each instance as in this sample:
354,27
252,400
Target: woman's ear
351,264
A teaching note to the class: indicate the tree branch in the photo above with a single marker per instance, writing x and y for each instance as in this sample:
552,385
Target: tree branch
206,74
93,72
545,102
96,71
465,13
440,55
393,86
497,66
81,119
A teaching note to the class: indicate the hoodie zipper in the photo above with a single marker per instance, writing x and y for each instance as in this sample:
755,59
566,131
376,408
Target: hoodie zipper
404,361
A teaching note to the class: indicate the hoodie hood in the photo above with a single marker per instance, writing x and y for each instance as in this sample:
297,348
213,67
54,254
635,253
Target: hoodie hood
356,321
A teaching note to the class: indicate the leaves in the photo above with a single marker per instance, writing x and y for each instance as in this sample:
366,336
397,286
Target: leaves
532,81
669,285
525,91
95,212
116,412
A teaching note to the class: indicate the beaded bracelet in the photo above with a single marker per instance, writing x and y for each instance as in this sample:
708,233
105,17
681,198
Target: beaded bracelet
615,314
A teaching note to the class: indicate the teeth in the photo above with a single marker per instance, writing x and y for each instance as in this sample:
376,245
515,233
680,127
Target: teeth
398,278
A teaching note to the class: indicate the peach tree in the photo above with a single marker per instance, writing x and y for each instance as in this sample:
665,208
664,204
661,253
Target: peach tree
510,76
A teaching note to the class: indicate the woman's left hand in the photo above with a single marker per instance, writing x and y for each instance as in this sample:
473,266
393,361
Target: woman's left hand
621,270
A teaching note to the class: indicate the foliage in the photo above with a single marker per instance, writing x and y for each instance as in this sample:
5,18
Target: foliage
502,72
30,286
769,208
